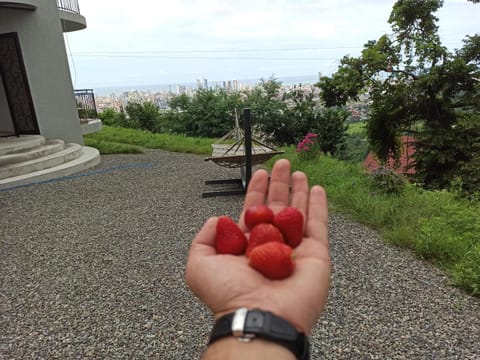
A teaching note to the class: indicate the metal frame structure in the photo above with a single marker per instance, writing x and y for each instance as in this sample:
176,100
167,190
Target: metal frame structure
239,185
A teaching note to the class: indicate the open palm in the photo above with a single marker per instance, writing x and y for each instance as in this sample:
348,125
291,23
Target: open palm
226,282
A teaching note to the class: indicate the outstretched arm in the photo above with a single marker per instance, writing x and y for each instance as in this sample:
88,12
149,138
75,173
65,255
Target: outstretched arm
300,298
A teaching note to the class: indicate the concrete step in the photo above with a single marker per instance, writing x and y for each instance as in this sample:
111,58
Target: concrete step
14,144
49,147
69,153
89,157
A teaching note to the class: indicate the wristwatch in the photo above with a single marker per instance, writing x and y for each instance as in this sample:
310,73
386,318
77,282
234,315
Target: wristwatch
246,325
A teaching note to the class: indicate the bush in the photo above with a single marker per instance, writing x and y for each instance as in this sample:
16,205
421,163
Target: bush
145,116
387,181
308,148
356,148
331,128
467,272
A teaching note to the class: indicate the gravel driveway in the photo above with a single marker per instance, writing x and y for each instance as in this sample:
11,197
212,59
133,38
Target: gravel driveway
92,268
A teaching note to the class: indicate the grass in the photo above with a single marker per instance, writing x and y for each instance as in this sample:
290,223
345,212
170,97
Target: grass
435,225
356,127
114,140
111,147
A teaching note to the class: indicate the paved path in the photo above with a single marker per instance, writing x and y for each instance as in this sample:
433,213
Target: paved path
92,267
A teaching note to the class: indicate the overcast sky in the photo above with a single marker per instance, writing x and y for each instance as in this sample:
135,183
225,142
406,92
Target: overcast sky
145,42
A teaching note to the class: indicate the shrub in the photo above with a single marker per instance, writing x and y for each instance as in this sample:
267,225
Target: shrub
387,181
467,272
356,148
308,148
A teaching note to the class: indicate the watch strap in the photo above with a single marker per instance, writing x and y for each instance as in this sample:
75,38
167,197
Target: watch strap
248,324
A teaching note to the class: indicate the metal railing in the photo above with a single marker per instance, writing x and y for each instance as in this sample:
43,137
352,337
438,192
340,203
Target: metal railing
69,5
87,109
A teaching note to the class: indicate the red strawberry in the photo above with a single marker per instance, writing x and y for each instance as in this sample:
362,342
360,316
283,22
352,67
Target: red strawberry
229,238
258,214
263,233
273,259
290,223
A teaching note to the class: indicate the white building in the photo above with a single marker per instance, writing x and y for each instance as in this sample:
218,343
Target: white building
38,108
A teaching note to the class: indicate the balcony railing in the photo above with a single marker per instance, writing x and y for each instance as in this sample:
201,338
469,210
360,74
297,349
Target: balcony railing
69,6
87,109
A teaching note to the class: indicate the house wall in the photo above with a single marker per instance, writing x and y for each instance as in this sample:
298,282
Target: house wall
44,54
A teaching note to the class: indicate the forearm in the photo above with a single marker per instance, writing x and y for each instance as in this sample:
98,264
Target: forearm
230,348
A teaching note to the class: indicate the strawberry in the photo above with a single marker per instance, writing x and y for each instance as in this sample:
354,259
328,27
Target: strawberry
263,233
229,238
273,259
290,223
258,214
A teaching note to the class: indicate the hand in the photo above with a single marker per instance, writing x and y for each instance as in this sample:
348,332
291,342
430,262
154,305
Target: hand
226,282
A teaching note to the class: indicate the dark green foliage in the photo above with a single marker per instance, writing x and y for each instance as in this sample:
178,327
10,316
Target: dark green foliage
284,118
387,108
108,117
114,118
387,181
345,84
331,127
145,116
415,82
289,118
356,148
268,111
209,113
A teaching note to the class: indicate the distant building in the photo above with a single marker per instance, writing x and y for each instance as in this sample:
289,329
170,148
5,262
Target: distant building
406,163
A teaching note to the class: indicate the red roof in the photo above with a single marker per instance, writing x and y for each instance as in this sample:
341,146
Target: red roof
406,158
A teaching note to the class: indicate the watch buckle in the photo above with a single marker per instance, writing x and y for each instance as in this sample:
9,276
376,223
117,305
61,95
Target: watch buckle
238,326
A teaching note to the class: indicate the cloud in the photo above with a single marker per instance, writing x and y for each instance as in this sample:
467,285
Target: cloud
143,26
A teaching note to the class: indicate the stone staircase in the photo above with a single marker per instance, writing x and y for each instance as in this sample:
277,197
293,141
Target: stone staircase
32,158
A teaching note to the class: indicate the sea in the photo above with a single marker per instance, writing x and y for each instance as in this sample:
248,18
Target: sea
286,80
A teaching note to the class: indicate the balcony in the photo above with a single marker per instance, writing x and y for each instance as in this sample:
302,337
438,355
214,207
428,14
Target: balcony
70,16
18,4
87,111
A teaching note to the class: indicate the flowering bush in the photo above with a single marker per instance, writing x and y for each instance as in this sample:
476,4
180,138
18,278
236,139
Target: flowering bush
308,148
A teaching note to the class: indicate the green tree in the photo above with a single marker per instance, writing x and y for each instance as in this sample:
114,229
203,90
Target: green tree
268,109
209,113
304,115
300,114
116,118
108,116
331,128
145,116
416,86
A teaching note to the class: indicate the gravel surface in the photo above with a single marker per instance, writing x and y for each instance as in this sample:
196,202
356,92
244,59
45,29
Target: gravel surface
92,267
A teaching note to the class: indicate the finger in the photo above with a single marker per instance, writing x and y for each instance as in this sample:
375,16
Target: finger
300,193
279,190
257,189
256,193
204,243
317,218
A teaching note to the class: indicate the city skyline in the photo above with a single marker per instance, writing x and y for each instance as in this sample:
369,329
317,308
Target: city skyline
235,84
144,43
